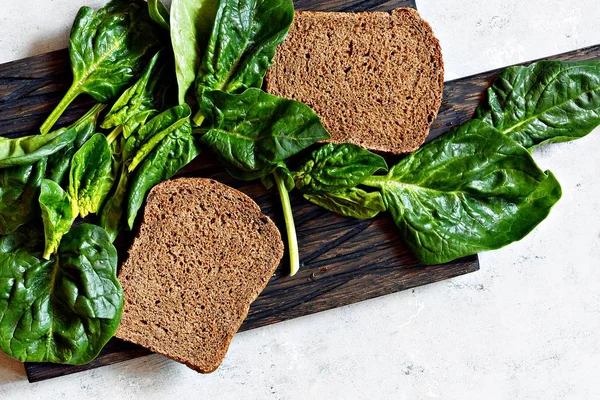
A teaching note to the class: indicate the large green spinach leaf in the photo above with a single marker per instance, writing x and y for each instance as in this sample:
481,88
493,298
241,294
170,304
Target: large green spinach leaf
63,310
57,215
91,176
191,25
242,45
139,102
108,48
471,190
19,189
27,150
173,153
254,131
546,102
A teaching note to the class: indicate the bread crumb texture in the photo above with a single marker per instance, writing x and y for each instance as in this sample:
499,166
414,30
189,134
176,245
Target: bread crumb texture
204,252
375,78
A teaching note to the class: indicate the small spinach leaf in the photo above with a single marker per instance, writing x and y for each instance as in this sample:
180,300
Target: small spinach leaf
19,189
335,167
108,48
546,102
27,150
112,213
63,310
139,102
350,202
91,176
191,25
137,147
254,131
471,190
56,215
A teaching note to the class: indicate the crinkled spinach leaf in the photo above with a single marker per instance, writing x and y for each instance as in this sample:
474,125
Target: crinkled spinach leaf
63,310
191,25
57,215
19,190
335,167
108,48
91,176
546,102
471,190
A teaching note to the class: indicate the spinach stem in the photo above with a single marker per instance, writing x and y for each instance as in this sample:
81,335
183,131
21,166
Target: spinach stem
198,119
289,225
71,94
375,181
114,134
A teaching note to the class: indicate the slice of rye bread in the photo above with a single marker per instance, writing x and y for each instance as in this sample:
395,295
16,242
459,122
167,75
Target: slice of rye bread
204,252
375,78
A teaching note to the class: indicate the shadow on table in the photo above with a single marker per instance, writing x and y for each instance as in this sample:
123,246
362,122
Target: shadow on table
10,370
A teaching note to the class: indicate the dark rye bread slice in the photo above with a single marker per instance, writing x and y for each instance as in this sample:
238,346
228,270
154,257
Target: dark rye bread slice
204,252
374,78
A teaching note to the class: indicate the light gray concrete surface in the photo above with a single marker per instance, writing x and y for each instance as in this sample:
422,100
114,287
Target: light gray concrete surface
524,327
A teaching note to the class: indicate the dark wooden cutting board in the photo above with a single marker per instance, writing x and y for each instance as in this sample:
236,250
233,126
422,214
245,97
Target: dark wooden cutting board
344,261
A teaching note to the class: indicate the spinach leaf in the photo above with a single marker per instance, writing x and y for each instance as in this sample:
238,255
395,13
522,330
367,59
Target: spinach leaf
112,213
139,102
63,310
56,215
242,45
91,176
108,48
159,13
337,166
254,131
191,25
546,102
350,202
85,127
19,188
471,190
27,150
137,147
173,153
